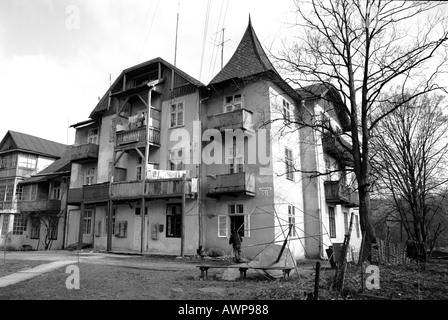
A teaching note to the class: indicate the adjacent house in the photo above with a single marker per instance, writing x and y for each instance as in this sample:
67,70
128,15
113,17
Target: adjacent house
168,165
22,156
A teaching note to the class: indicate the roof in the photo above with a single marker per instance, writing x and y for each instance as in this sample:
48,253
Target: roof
60,167
327,91
103,103
34,144
249,59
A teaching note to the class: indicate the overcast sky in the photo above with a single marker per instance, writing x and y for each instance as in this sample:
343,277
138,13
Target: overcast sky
56,55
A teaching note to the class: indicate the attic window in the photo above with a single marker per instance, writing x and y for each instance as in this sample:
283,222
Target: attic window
233,102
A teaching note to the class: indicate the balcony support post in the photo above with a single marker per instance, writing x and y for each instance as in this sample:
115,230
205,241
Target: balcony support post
182,235
81,226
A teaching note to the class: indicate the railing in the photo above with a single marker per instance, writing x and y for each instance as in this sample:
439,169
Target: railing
138,135
338,193
160,188
8,205
334,148
89,193
231,183
238,119
84,152
39,205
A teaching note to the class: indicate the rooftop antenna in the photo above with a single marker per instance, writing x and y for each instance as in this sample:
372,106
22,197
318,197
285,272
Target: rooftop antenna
110,79
222,47
177,27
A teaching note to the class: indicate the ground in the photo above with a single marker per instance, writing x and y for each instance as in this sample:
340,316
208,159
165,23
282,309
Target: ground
110,277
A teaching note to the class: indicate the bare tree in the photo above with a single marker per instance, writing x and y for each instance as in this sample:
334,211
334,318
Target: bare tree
365,48
409,159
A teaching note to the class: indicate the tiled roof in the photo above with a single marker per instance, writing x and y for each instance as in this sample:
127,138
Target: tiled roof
37,145
313,91
249,59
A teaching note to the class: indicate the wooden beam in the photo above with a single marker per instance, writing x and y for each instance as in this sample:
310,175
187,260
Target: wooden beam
120,109
142,100
118,158
139,152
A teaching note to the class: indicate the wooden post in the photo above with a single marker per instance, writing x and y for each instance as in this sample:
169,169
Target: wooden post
316,281
109,225
182,237
338,282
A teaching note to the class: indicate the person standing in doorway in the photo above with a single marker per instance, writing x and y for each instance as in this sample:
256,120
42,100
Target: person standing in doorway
235,240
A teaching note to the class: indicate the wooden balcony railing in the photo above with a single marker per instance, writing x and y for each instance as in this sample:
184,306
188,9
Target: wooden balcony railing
84,153
39,205
234,183
338,193
89,193
159,188
137,136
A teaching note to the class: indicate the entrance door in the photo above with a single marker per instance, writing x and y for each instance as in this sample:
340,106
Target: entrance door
138,232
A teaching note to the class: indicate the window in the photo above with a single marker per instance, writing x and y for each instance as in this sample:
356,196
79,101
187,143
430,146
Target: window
35,228
139,169
88,214
332,222
92,136
289,164
177,114
113,222
19,225
53,225
174,220
236,219
27,192
346,222
235,159
8,161
27,161
358,234
89,177
56,194
291,220
138,211
286,110
6,192
233,102
5,224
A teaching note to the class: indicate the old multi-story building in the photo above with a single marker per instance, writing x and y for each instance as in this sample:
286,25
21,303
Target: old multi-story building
167,165
22,156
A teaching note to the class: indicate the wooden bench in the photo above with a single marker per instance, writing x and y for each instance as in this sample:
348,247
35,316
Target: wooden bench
204,270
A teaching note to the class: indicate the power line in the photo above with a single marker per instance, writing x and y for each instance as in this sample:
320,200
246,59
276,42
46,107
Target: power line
149,31
207,16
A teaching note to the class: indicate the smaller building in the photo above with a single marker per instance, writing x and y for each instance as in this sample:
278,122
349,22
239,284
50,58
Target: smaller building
24,156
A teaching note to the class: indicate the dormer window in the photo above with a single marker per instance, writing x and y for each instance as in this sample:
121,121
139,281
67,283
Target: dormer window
233,102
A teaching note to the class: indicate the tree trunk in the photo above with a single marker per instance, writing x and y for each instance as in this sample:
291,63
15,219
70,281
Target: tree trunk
365,222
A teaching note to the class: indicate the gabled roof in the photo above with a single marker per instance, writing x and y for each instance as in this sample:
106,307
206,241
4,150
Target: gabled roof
60,167
327,91
32,144
249,59
103,103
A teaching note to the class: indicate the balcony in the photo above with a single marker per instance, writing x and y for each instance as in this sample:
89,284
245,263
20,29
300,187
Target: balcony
39,205
238,119
154,189
135,138
8,206
334,149
338,193
84,153
231,184
93,193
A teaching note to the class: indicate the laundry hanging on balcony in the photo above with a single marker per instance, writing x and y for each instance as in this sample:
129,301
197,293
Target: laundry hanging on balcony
167,174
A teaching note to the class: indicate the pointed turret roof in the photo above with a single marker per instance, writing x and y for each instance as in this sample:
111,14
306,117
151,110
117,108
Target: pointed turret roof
249,59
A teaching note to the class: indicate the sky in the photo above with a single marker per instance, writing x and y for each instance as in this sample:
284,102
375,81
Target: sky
57,57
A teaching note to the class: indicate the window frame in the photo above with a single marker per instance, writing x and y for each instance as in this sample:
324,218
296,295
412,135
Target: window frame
332,221
176,112
291,221
87,224
232,104
35,228
5,223
27,161
90,177
346,222
93,138
234,161
19,225
358,232
289,162
174,221
286,110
